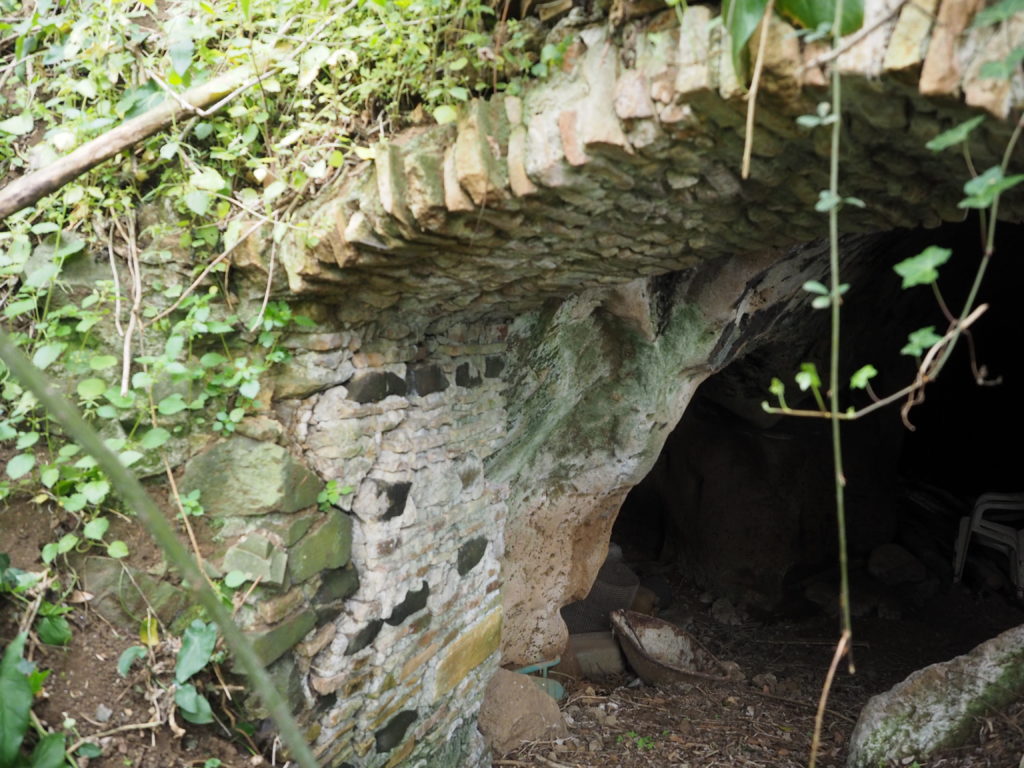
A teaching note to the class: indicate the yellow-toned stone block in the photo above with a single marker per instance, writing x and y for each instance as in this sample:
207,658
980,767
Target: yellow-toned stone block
909,42
403,752
468,652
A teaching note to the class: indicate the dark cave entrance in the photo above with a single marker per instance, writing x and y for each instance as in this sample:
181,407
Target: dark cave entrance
740,504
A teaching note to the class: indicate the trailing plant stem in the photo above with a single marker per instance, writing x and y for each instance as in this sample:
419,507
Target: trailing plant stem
833,236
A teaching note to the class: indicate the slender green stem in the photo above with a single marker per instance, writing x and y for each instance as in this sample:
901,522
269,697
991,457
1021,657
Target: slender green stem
136,498
833,375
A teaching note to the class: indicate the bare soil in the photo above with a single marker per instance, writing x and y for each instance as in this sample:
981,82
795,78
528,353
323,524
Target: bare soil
767,720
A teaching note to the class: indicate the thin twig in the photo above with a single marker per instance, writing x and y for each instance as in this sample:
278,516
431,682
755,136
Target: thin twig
117,281
762,47
103,734
819,717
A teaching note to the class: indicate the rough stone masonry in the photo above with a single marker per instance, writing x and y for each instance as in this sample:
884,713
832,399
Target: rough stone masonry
512,314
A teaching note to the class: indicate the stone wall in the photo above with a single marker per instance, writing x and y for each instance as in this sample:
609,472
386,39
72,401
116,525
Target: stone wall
512,314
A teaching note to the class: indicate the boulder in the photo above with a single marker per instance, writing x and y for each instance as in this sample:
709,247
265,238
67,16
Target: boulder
935,707
516,710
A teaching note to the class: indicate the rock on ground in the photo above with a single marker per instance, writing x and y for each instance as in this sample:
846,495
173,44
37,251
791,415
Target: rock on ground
935,707
516,710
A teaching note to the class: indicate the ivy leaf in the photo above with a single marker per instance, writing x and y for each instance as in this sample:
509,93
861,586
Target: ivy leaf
89,750
955,135
117,549
811,14
193,705
207,179
196,648
197,201
923,268
154,438
18,125
827,200
1001,11
46,354
249,388
49,752
920,340
813,286
445,114
171,405
54,630
862,376
741,19
90,389
20,465
982,190
96,529
15,701
128,657
808,377
102,362
309,65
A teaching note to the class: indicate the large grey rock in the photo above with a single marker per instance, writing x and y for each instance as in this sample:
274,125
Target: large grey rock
516,710
246,477
935,708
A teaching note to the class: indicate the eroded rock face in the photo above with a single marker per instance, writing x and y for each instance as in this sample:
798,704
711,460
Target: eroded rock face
935,708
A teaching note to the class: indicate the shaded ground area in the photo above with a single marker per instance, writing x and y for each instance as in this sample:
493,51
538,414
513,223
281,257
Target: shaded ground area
132,719
767,720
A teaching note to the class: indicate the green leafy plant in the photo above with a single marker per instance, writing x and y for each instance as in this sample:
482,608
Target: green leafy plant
16,697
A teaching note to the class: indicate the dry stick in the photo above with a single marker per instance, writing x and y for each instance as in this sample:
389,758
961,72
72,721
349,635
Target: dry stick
117,281
857,38
762,46
133,315
120,729
26,190
135,496
819,717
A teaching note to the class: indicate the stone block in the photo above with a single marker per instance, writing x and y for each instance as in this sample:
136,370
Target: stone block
477,156
390,168
241,476
121,594
257,558
597,654
272,644
425,187
909,41
468,652
515,710
274,609
326,547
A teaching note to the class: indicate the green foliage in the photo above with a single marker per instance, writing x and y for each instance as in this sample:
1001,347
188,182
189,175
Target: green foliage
982,191
197,646
16,695
742,17
923,268
331,494
920,340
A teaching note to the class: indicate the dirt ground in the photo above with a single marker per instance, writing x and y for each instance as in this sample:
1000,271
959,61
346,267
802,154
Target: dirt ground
764,721
767,720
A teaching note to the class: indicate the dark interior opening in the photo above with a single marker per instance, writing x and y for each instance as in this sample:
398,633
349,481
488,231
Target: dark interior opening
740,504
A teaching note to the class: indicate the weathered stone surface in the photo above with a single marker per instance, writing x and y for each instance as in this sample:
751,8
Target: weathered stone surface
244,477
935,707
272,644
122,593
325,547
257,558
941,72
425,379
469,651
909,42
516,710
